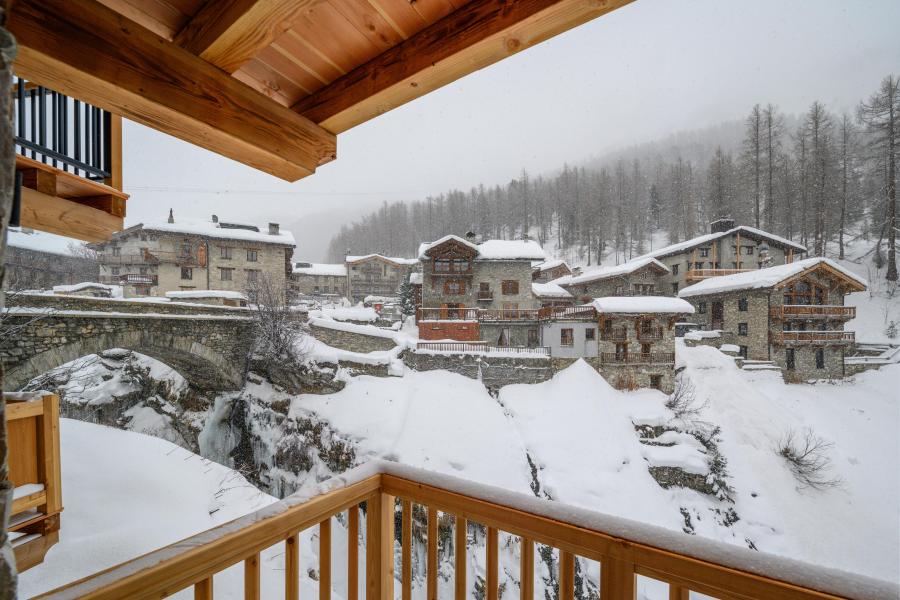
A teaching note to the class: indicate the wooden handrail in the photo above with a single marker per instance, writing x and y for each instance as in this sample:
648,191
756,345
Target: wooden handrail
813,310
196,560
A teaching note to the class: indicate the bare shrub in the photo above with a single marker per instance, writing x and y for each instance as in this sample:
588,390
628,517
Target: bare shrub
807,456
683,401
277,328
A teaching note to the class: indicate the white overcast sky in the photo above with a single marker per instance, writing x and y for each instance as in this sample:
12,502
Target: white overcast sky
646,70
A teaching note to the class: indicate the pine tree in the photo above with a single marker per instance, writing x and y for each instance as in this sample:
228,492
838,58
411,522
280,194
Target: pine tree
407,298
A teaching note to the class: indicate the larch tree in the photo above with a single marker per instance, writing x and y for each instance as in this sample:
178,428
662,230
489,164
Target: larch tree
773,129
752,157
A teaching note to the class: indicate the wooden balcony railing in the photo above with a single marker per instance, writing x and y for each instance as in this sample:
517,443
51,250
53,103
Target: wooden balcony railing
568,313
624,549
699,274
32,423
614,334
813,311
814,337
652,358
481,347
650,334
508,314
448,314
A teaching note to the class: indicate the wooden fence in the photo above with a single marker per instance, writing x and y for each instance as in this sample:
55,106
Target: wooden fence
828,311
814,337
653,358
385,488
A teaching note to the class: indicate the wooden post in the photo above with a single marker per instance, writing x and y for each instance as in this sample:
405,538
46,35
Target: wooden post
292,567
617,580
115,153
432,567
203,590
325,559
406,551
676,592
526,569
492,582
566,575
380,547
251,577
353,552
459,550
48,460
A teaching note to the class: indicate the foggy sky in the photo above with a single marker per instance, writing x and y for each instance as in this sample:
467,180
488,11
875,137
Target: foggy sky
646,70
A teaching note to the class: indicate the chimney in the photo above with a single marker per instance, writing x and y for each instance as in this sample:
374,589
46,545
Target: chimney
721,225
471,236
171,216
273,228
215,218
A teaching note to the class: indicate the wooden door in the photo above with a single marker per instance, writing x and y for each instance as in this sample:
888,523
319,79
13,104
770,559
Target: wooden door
718,314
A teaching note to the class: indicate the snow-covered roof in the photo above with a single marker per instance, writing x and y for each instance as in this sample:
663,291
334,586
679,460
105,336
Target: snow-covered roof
212,229
207,294
764,278
41,241
394,259
415,278
551,264
492,249
600,273
84,285
709,237
549,290
335,270
642,304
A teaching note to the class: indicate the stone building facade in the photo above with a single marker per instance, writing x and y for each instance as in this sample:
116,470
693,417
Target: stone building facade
36,260
318,279
376,275
792,315
153,258
634,278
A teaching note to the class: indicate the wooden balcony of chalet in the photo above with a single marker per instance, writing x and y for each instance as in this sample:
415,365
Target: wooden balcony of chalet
68,164
568,313
695,275
637,358
391,492
130,279
814,338
813,311
649,334
613,334
447,314
508,314
32,423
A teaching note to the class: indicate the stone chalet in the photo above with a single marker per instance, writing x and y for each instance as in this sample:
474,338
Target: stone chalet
376,275
725,250
479,291
792,315
634,278
318,279
549,270
180,254
551,295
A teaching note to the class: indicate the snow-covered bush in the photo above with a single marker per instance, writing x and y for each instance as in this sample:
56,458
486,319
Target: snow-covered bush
683,401
807,456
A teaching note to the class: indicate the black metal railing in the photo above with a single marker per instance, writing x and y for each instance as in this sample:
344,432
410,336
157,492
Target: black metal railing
63,132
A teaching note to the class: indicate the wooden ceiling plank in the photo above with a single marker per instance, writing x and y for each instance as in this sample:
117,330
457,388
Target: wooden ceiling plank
368,22
292,37
288,68
399,21
230,33
85,50
432,11
301,59
148,15
481,33
276,80
333,35
259,77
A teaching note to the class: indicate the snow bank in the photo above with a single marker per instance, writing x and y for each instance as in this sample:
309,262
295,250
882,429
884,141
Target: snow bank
642,304
328,269
207,294
549,290
76,287
601,273
348,313
353,328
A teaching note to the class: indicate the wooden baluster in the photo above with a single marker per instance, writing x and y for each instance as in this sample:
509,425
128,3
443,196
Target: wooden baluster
251,578
292,567
203,590
566,575
526,569
380,547
617,580
406,551
460,557
353,553
432,569
325,559
676,592
492,582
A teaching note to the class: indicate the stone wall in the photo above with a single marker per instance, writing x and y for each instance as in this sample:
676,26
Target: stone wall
493,273
756,317
351,340
31,269
86,303
805,363
494,371
517,332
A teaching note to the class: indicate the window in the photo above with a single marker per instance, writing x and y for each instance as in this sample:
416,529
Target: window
116,251
620,290
187,273
701,308
225,274
252,256
225,252
142,270
567,337
510,287
743,351
645,349
185,249
742,304
115,271
441,265
621,351
820,358
675,288
590,334
789,359
454,287
674,269
742,329
533,338
748,250
252,275
656,382
704,252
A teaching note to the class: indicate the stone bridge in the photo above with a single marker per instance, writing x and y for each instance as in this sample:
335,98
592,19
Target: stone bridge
208,345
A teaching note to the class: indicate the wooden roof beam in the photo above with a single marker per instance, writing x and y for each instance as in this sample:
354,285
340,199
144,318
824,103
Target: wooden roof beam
228,33
475,36
84,49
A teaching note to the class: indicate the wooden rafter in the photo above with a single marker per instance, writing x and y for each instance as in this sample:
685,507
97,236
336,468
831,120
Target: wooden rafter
229,33
86,50
474,36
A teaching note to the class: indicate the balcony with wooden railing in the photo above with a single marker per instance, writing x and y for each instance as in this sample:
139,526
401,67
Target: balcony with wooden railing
130,279
814,338
628,358
482,348
568,313
614,334
32,424
649,334
390,491
508,314
813,311
694,275
448,314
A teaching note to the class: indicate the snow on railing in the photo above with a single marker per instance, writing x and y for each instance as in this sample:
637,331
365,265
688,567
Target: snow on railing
482,348
623,547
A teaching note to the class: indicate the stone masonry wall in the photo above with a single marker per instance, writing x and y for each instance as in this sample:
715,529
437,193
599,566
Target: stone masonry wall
495,371
351,340
87,303
756,317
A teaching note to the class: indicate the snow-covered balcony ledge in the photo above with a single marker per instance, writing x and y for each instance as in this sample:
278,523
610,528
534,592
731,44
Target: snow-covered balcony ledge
624,548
